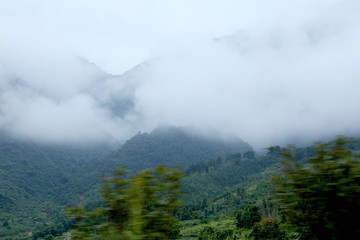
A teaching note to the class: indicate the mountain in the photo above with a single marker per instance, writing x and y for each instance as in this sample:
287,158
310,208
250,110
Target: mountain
171,146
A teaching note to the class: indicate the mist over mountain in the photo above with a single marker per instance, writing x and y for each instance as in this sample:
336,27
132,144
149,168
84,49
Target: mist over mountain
268,73
97,107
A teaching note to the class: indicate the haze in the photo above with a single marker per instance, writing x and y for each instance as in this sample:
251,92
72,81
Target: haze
270,72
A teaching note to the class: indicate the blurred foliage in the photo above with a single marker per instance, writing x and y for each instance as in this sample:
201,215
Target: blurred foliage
321,198
140,207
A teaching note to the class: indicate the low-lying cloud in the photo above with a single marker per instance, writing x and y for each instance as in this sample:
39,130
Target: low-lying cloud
271,74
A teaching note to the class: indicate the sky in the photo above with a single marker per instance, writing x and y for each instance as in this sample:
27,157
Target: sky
269,72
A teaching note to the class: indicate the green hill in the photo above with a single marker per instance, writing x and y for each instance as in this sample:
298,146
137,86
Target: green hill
38,181
171,146
33,179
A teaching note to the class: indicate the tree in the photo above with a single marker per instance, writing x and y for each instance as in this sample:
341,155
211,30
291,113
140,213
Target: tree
321,199
267,228
140,207
248,216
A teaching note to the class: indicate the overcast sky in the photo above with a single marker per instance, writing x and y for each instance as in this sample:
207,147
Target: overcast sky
270,72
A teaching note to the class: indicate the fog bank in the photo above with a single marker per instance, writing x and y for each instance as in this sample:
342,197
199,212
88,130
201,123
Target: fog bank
270,73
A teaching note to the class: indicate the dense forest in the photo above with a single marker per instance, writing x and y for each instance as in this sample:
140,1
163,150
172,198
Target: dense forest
38,181
222,189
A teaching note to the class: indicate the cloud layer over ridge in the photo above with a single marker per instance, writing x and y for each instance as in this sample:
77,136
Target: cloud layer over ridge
268,73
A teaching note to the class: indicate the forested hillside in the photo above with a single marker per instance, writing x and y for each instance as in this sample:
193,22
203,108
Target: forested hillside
171,146
35,181
219,189
38,181
226,186
223,196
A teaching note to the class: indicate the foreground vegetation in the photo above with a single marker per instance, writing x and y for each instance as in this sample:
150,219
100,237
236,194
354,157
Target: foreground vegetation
317,199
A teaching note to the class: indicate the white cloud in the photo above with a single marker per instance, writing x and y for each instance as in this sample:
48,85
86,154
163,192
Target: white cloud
288,72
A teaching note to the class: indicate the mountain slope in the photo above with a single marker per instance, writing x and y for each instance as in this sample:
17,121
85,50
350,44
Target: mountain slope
170,146
31,177
38,181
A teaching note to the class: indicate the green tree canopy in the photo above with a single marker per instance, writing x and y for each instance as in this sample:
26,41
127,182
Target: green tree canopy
321,199
140,207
